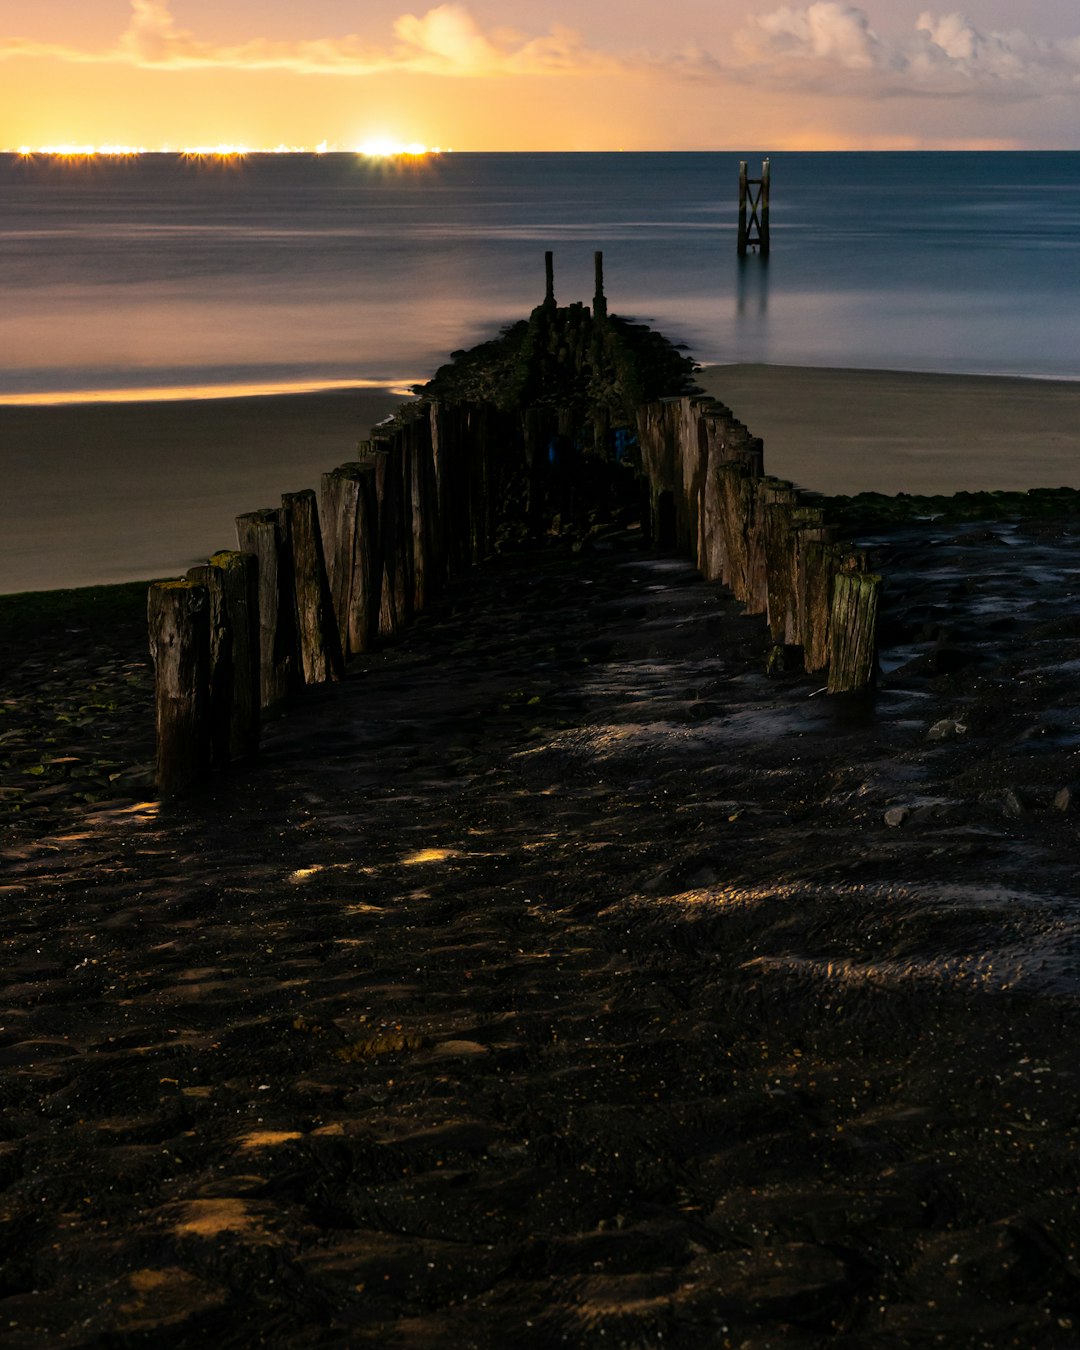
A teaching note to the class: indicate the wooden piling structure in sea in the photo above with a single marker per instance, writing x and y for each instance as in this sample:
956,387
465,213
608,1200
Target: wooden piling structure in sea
441,487
754,210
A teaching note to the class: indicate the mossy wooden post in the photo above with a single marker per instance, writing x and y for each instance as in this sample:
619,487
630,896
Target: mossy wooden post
810,535
316,625
259,533
853,627
178,617
349,509
230,580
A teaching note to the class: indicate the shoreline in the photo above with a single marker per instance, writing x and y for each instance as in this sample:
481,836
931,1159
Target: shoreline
109,493
843,430
102,494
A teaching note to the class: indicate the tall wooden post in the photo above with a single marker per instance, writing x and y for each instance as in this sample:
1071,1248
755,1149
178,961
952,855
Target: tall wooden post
754,211
179,620
549,278
599,299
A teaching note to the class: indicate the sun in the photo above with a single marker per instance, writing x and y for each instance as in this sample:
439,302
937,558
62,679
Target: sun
386,147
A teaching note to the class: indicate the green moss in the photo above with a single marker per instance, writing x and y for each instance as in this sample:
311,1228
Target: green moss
30,613
867,510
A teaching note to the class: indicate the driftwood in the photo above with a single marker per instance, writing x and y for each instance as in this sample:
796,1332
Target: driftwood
178,616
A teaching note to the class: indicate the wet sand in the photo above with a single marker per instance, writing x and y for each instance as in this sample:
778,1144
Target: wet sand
101,493
560,979
844,431
117,492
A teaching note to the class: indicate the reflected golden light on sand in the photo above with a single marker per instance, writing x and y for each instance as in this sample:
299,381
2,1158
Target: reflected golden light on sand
182,393
428,855
269,1138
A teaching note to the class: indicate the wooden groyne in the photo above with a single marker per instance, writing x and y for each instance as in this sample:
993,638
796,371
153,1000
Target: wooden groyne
511,440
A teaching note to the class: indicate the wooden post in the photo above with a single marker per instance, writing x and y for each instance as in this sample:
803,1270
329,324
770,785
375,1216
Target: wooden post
743,184
178,616
232,588
259,533
316,625
599,299
853,631
350,515
764,199
549,279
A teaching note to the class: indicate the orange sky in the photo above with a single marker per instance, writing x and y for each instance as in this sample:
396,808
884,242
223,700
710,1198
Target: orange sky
689,74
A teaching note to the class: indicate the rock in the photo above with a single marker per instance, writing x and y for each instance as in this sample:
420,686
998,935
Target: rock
1064,799
1012,803
896,815
946,730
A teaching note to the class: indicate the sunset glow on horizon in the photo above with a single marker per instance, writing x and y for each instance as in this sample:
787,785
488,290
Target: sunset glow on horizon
87,78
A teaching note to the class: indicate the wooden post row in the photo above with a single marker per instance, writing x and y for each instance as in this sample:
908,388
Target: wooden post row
709,497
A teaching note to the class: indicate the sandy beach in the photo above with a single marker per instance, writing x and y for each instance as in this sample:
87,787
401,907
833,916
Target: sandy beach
120,492
111,492
560,978
844,431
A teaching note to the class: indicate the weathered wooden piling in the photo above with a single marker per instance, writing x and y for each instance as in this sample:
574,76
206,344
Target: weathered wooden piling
178,617
852,631
259,533
349,511
430,495
231,585
316,627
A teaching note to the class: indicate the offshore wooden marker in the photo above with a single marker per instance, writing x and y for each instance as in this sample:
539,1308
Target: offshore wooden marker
232,590
178,617
754,211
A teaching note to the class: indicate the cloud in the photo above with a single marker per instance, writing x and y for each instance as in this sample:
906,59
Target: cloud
445,40
828,47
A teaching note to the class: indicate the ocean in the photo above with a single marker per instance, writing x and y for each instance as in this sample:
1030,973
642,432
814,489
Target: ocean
160,275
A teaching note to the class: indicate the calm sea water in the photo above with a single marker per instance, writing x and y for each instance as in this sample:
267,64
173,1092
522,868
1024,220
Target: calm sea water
292,270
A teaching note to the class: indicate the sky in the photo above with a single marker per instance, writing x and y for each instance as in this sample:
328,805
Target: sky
527,75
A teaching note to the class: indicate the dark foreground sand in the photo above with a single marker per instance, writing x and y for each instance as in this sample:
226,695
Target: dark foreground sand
99,493
558,979
842,431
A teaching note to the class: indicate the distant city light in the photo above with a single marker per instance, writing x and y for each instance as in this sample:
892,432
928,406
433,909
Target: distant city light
378,147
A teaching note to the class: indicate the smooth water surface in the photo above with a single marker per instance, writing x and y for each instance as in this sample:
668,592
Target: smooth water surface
282,271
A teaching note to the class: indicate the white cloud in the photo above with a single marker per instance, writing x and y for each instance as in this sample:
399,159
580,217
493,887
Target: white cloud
828,47
444,41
